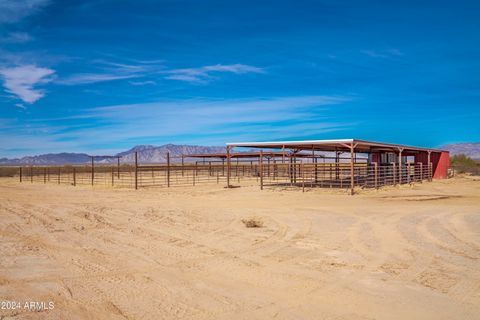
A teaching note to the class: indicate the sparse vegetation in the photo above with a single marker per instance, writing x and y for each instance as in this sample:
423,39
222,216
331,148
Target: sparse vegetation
253,223
464,164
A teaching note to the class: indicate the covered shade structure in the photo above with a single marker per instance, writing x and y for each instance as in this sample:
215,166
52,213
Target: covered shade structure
333,145
390,156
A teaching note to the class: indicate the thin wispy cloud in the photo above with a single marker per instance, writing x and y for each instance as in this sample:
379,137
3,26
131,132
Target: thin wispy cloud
142,83
23,81
16,37
383,54
154,61
88,78
203,74
110,71
185,77
126,67
15,10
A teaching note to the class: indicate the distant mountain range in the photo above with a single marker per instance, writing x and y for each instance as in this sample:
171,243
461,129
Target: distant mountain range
471,150
146,154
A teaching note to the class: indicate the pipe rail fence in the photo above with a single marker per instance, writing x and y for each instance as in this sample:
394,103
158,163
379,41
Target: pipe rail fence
324,172
339,175
136,175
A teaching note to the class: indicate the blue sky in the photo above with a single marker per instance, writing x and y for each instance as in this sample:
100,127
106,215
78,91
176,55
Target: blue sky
102,76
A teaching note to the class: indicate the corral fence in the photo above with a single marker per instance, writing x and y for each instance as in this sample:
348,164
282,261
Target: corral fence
125,175
135,175
323,172
338,175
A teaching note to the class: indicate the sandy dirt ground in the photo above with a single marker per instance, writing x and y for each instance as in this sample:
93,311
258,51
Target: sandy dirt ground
410,252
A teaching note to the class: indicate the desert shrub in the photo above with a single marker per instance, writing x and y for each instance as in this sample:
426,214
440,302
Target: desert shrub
464,164
253,223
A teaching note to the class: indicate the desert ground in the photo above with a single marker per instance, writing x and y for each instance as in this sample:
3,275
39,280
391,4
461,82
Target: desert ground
409,252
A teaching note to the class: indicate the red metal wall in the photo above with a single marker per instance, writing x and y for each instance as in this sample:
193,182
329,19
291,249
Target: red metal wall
422,158
375,157
440,162
440,165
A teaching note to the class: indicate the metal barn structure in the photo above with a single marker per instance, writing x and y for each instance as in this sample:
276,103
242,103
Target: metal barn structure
366,164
